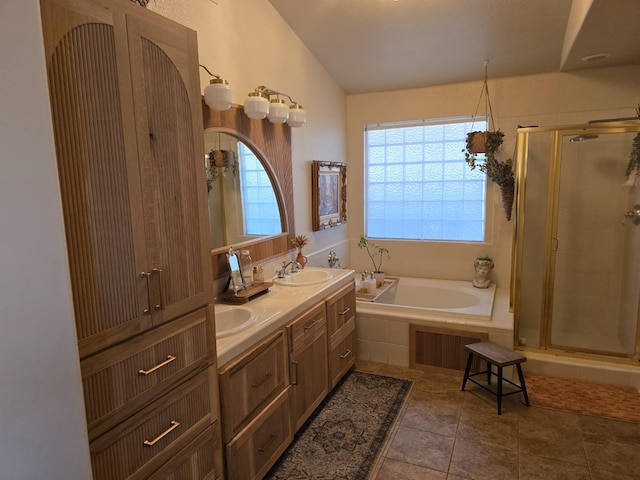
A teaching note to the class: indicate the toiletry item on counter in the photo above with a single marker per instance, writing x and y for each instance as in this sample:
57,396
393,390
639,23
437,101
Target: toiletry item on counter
371,284
361,285
258,274
246,263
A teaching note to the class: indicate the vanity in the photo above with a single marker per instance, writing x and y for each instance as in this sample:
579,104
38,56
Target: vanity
278,368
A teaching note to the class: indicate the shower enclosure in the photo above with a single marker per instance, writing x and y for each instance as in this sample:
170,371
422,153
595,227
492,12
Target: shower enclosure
576,277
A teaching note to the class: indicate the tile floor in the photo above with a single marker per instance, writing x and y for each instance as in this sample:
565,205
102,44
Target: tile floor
444,433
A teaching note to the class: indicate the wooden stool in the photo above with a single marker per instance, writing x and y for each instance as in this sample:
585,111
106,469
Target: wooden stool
500,357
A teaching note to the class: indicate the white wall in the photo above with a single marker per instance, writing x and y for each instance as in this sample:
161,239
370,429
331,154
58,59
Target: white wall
546,99
43,431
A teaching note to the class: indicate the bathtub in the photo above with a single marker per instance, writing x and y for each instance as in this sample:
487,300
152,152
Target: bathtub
448,298
383,326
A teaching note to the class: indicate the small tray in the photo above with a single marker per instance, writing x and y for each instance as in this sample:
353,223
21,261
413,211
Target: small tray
372,297
244,296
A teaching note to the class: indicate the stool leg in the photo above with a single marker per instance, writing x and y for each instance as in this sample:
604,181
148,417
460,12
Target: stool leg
488,373
522,384
466,370
499,390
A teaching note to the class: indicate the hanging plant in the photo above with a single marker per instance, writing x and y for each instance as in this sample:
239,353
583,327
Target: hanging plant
488,143
634,158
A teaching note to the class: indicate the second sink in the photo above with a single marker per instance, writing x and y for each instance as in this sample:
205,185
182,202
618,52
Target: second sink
310,276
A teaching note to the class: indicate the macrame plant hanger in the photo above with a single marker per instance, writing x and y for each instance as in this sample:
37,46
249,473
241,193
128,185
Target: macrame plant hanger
478,143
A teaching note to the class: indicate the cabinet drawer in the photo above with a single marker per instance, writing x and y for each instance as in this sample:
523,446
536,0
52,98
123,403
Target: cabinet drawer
256,449
342,353
200,460
341,308
250,382
306,326
119,381
138,446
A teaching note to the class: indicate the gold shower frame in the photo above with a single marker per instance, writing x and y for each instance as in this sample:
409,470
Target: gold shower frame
522,147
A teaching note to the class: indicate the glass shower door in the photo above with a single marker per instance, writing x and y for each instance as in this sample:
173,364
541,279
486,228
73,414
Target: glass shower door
595,264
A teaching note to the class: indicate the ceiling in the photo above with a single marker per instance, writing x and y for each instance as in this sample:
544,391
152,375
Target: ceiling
379,45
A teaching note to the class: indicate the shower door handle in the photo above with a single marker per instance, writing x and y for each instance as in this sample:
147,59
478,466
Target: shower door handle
557,245
634,214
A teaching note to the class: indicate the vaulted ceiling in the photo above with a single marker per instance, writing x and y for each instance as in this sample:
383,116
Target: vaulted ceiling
378,45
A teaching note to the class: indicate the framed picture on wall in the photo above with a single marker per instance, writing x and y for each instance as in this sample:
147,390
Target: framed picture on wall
329,192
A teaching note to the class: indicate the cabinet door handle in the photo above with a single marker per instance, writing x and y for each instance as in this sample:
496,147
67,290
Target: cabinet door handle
158,271
294,368
310,325
173,426
346,354
170,358
266,377
345,311
272,437
146,276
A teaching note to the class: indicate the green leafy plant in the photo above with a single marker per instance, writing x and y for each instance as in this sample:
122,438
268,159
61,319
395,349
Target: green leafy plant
485,258
376,253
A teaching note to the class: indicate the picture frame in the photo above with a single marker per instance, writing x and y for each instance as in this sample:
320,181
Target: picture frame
329,194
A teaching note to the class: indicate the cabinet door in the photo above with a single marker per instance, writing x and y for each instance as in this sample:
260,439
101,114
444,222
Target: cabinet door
308,364
131,171
170,141
92,109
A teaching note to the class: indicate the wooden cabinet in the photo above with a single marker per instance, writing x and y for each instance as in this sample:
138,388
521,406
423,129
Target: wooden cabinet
136,371
251,381
126,107
138,446
256,448
308,363
126,104
341,321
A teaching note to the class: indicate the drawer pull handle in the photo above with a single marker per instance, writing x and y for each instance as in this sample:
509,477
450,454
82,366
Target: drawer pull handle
345,311
266,377
170,358
272,437
311,325
346,354
173,426
146,276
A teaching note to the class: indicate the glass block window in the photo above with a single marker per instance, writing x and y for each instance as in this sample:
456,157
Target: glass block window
418,185
259,204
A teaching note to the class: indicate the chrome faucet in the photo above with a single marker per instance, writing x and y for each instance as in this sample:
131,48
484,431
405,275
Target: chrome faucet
333,259
295,266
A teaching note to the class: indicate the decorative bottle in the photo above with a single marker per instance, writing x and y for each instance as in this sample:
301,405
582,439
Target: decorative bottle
246,264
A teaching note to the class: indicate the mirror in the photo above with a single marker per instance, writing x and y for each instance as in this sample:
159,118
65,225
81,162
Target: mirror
241,196
271,143
235,272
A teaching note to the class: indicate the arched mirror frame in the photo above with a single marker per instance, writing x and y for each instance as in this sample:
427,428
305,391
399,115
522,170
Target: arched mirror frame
272,143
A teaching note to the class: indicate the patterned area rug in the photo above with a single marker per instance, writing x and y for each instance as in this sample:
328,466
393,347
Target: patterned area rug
343,437
584,397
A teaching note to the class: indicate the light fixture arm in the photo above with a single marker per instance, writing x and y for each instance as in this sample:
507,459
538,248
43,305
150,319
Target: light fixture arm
212,74
269,91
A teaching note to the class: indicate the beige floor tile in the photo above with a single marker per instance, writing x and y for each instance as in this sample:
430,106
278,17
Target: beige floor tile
421,448
479,461
396,470
444,433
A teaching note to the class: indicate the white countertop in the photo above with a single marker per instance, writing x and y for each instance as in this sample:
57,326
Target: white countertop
276,308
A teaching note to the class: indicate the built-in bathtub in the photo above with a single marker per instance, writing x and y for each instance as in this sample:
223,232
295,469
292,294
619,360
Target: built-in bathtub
383,325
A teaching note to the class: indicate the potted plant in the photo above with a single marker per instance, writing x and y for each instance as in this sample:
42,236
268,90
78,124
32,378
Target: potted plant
376,253
298,242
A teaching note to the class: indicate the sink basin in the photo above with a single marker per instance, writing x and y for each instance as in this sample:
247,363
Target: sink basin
305,277
233,319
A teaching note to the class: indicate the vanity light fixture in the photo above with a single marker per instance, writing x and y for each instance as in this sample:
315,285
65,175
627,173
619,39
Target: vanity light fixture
265,102
218,94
